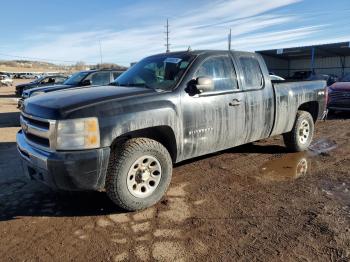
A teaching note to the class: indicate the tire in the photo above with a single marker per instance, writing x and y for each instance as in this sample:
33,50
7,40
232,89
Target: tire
122,174
300,137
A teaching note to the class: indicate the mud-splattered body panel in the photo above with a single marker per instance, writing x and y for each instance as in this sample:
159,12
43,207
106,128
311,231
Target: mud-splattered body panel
290,96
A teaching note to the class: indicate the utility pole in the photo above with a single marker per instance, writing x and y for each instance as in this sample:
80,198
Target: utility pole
100,51
229,40
167,45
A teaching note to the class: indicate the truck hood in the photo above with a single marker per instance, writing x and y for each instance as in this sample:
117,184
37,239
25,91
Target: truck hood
48,88
341,86
27,84
56,105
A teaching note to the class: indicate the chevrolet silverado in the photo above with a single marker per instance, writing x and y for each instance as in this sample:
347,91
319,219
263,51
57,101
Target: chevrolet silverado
124,138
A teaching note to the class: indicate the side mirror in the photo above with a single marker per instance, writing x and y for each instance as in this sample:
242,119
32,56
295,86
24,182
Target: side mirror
204,84
86,82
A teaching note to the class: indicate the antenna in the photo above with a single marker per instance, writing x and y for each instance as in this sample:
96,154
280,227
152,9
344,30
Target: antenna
100,51
229,40
167,45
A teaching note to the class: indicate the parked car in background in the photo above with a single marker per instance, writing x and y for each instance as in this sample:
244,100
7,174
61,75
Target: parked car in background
274,77
43,81
27,76
165,109
330,79
339,95
5,80
311,76
301,75
81,79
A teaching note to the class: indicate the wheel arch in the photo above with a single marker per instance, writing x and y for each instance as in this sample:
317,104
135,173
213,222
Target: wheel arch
162,134
312,107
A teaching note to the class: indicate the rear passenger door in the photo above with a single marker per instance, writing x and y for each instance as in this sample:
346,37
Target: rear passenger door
259,97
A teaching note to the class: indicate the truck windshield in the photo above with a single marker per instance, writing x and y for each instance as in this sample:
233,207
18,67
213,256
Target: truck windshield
161,72
38,80
76,78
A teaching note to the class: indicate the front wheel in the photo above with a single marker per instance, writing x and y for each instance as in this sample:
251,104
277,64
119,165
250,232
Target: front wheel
300,137
139,174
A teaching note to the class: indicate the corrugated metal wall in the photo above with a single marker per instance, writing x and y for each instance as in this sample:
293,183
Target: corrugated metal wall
326,65
276,65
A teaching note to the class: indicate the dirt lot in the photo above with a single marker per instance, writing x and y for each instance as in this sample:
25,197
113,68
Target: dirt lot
255,202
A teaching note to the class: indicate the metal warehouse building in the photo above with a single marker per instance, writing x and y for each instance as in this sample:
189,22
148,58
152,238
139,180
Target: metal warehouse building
321,59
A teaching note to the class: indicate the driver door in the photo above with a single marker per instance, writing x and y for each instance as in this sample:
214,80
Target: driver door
213,121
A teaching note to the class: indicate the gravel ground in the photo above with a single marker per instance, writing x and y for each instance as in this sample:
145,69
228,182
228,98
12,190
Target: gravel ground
252,203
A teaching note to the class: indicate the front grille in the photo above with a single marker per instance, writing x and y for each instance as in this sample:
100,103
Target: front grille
38,140
339,95
39,123
39,132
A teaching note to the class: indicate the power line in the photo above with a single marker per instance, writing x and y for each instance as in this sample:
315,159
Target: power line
167,45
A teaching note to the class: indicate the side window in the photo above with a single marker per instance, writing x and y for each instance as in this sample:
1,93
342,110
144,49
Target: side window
48,80
59,80
253,76
45,81
100,78
221,70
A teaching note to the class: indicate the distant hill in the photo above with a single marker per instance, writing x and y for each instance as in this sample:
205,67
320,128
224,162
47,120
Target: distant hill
39,66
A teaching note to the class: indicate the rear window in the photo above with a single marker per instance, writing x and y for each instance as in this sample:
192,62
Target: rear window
253,76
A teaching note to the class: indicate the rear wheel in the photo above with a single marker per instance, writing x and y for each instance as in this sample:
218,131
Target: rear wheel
139,174
300,137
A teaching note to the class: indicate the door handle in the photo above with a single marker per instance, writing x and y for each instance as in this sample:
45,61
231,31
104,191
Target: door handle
235,102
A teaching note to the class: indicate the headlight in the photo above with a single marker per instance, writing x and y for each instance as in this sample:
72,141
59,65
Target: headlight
37,93
78,134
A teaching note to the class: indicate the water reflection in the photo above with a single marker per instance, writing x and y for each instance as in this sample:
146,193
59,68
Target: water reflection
288,167
294,165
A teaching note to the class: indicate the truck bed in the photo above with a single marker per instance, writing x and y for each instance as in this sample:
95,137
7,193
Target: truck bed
288,98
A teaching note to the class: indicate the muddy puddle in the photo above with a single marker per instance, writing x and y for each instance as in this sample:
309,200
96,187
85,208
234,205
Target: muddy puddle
321,146
294,165
340,191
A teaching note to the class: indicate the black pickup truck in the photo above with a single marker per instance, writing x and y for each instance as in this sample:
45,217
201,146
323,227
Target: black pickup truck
167,108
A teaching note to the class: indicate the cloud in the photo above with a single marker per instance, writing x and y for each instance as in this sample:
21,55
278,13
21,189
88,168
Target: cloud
253,25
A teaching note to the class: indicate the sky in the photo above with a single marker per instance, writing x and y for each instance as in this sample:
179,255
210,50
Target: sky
65,32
